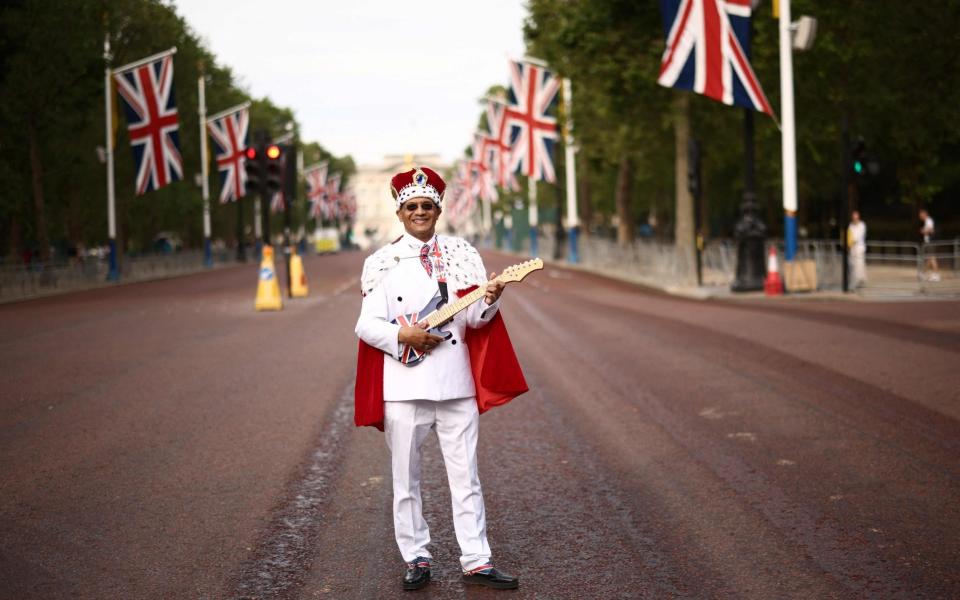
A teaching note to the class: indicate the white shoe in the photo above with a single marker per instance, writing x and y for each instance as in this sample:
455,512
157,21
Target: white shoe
934,276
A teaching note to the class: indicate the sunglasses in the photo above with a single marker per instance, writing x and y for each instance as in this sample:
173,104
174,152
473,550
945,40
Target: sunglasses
425,206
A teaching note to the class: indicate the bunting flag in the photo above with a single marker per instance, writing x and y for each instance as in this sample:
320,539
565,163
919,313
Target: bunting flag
708,42
496,146
228,131
533,133
316,176
146,88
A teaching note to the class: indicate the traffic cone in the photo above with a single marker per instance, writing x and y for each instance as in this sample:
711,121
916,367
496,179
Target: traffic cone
298,277
268,289
772,285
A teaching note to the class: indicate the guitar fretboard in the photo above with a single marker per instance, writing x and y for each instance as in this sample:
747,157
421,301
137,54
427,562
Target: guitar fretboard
446,312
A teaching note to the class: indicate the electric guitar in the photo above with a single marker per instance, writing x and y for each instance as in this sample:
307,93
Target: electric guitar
437,314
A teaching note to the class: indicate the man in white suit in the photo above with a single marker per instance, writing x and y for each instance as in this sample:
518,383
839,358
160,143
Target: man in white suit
439,392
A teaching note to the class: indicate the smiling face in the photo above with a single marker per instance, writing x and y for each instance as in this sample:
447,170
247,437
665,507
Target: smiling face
419,217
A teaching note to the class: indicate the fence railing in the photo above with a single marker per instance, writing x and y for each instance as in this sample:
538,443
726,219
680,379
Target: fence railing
664,264
41,279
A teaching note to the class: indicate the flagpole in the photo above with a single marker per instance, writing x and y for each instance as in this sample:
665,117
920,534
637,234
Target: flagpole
144,61
114,273
788,139
570,153
533,214
204,166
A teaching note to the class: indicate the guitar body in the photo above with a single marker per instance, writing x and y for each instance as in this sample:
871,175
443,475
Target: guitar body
438,314
409,355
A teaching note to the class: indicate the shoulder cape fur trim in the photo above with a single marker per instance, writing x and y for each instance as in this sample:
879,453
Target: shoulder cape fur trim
463,264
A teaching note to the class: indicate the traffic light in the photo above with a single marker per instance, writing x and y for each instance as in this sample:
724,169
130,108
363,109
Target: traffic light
858,156
254,168
274,169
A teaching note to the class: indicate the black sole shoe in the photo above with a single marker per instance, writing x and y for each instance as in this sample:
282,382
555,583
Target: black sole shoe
418,583
495,579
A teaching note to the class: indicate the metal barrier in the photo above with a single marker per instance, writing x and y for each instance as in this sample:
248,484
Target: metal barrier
42,279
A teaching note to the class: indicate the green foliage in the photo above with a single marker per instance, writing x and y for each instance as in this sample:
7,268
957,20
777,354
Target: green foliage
890,68
51,91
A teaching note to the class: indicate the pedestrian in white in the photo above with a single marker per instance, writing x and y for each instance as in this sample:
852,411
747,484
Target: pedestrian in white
927,231
857,243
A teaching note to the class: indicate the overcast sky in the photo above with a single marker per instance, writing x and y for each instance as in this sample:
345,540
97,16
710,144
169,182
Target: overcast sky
367,77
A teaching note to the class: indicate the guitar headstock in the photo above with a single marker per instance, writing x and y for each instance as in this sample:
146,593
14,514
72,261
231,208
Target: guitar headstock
518,272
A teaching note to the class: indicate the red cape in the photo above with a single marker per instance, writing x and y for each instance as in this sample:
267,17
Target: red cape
496,373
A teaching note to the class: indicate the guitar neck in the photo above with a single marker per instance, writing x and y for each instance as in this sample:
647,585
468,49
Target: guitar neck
447,311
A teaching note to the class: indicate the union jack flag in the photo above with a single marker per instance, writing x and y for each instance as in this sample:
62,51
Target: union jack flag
480,164
496,146
316,176
462,194
707,46
229,136
329,206
409,354
148,100
348,204
533,133
278,202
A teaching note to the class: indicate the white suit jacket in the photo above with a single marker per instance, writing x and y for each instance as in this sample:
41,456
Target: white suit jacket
406,288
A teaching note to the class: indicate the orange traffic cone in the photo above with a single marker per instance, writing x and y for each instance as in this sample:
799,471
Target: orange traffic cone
298,277
268,289
772,285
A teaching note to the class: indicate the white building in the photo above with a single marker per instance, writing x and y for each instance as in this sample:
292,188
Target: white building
376,222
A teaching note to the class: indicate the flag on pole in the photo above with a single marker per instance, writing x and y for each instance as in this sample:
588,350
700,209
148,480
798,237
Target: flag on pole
707,46
146,87
480,165
348,205
316,176
228,130
278,202
329,206
496,146
533,133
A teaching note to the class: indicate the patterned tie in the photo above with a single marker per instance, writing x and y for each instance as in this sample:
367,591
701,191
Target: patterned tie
425,259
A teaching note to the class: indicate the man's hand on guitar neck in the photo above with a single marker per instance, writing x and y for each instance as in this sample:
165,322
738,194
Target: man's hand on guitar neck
494,289
418,337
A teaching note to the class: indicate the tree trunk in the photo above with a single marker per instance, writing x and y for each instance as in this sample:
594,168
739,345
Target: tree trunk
623,200
36,173
16,239
683,221
585,203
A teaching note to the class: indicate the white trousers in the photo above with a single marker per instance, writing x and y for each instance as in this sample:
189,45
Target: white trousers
406,425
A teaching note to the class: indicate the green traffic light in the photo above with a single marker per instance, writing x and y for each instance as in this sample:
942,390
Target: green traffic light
858,166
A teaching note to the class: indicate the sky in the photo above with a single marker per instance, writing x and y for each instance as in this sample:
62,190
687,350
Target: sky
367,77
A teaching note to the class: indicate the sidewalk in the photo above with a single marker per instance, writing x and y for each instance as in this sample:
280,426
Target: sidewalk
886,284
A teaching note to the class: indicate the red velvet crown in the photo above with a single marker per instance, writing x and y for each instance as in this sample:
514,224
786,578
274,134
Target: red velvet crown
421,182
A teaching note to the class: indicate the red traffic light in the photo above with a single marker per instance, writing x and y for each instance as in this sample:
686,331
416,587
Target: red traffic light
251,153
273,152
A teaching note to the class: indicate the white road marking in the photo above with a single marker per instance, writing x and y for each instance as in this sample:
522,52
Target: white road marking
783,462
743,435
